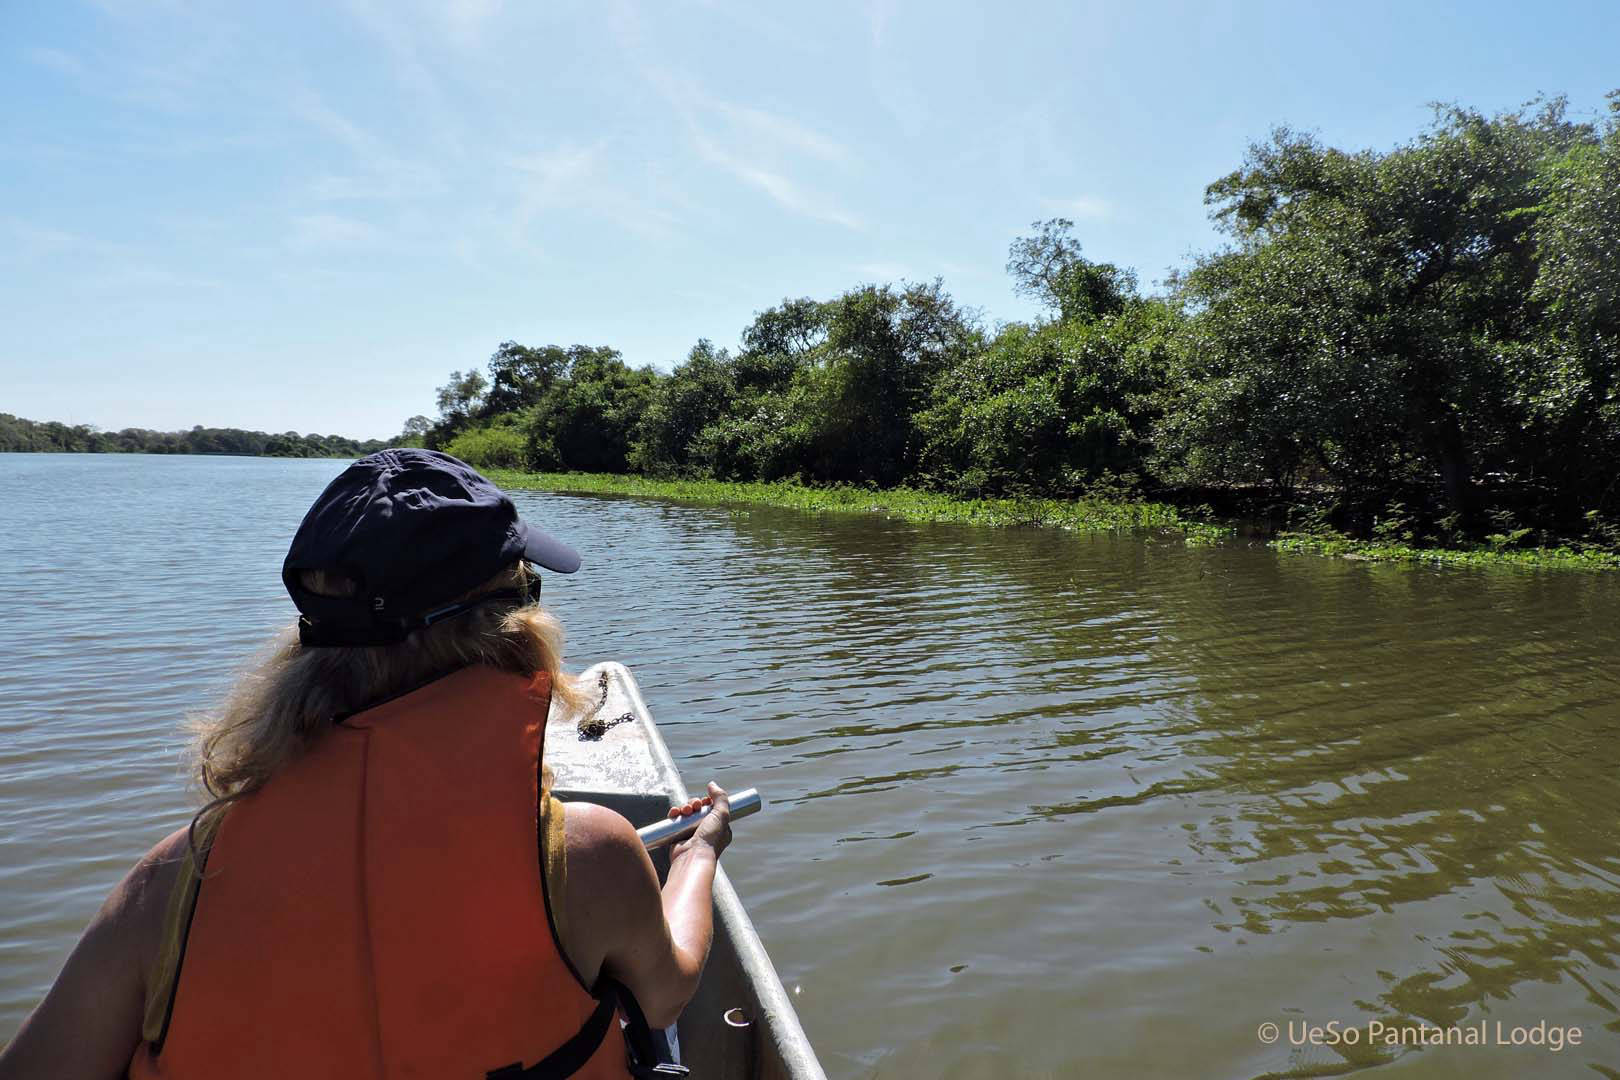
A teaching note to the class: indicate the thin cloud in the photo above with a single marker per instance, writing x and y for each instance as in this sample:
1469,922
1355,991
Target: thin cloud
331,232
321,116
785,132
762,133
883,271
750,123
97,263
782,190
1083,208
63,63
559,175
42,241
879,14
377,172
398,34
903,102
122,278
467,18
394,184
582,177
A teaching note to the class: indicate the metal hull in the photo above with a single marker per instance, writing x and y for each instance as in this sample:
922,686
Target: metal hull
741,1024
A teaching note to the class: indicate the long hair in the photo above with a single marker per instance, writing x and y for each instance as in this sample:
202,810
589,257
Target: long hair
284,705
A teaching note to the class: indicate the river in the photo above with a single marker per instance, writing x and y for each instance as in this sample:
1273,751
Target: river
1043,804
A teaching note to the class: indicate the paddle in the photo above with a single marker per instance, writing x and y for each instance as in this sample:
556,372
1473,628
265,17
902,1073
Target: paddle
656,835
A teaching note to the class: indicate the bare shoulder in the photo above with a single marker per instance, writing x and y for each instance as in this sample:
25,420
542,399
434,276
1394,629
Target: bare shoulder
612,887
588,825
90,1021
161,864
603,848
152,879
138,905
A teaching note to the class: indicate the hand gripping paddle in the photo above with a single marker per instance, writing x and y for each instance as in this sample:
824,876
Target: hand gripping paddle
659,833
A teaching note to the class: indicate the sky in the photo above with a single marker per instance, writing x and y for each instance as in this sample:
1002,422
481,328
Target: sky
302,217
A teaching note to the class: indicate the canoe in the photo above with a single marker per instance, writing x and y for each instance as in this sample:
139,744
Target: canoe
741,1024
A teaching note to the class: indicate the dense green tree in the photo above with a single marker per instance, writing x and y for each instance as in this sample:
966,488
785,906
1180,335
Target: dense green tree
415,431
699,392
459,399
781,342
761,432
1050,409
1571,397
1048,266
498,445
1363,327
588,420
851,410
520,377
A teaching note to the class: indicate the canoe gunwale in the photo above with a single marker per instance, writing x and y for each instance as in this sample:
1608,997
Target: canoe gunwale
776,1046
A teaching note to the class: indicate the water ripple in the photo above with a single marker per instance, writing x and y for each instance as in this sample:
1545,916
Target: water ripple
1115,782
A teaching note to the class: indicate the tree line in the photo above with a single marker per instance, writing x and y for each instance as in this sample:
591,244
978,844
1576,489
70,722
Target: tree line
1419,345
33,436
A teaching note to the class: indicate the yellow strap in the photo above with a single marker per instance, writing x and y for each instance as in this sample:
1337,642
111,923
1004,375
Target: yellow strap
555,862
160,987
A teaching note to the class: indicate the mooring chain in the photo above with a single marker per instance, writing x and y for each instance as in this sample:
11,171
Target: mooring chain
593,725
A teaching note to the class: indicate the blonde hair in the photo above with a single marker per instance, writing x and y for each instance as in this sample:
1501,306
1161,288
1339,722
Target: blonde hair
286,704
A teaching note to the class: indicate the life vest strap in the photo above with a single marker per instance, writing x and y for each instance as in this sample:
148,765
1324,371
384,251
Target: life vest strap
646,1055
568,1058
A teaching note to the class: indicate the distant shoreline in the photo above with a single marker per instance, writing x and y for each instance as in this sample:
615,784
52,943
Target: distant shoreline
19,435
180,453
1079,515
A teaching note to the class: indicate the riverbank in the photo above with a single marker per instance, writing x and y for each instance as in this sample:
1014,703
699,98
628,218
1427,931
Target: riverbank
1484,555
1082,515
909,504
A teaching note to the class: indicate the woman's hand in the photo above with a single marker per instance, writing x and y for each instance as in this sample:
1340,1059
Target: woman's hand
714,830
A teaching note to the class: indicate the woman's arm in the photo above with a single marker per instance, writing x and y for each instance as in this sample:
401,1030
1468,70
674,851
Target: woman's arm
618,921
90,1022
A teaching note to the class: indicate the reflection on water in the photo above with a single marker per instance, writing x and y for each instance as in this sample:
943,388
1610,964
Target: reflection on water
1043,804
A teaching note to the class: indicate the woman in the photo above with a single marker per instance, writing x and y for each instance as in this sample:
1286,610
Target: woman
381,884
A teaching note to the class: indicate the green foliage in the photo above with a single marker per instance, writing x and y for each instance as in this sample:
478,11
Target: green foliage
1054,408
822,391
853,406
499,446
1049,267
1380,325
460,399
588,420
697,394
30,436
1478,556
910,504
416,432
520,377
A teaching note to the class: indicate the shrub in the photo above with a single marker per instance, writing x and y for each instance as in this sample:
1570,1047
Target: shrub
489,448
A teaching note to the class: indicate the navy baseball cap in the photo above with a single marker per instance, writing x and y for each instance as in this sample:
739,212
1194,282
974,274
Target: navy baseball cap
413,529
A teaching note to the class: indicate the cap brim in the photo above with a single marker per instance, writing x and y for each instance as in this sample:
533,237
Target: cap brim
548,551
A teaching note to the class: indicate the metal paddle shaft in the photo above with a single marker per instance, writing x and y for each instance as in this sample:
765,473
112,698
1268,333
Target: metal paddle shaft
659,833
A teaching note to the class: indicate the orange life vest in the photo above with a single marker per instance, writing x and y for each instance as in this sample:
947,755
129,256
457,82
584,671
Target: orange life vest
378,909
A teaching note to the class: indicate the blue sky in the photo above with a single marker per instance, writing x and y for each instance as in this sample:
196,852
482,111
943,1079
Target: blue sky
303,216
